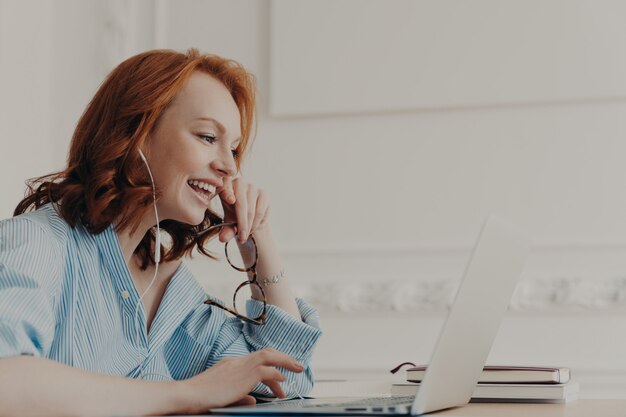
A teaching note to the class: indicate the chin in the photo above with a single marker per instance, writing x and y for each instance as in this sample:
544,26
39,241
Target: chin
192,217
196,220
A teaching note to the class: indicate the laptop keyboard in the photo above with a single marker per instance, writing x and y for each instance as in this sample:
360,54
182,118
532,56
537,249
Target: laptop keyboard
365,402
372,402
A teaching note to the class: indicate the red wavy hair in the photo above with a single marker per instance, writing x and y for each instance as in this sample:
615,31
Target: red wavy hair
105,180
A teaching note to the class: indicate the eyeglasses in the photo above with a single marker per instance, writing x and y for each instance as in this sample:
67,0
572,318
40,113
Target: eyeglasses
247,264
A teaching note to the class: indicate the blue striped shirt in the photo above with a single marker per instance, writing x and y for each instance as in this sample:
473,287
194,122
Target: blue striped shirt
68,295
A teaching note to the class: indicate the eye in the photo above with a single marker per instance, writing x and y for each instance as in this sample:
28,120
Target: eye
235,153
208,138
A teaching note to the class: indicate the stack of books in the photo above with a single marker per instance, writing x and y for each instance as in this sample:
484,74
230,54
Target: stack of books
508,384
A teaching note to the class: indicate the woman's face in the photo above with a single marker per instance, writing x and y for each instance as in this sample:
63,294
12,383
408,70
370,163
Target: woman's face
191,149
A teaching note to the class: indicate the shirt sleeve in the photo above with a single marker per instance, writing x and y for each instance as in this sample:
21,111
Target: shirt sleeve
29,263
282,332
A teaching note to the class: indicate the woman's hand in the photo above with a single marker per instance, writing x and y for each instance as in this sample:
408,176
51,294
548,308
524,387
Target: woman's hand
230,381
244,204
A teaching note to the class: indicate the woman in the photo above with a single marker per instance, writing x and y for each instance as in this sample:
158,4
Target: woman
97,317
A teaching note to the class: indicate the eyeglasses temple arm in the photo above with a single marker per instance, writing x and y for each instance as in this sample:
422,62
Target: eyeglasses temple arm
214,226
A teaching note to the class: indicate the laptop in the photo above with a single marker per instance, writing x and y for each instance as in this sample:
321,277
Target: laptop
464,343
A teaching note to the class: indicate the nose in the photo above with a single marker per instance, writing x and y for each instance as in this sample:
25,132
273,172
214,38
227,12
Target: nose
225,165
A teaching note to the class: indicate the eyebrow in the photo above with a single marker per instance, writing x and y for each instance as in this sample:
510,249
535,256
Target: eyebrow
220,127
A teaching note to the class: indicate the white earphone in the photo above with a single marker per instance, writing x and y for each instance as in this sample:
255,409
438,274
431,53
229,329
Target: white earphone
157,259
157,243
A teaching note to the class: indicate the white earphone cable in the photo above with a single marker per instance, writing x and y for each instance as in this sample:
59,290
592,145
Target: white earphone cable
157,259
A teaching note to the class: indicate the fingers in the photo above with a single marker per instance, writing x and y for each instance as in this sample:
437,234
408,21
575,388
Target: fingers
227,233
260,210
272,377
275,387
236,377
249,208
230,381
247,400
252,197
227,194
241,210
228,198
272,357
267,360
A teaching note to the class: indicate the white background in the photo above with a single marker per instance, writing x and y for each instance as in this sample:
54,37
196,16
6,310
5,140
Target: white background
379,175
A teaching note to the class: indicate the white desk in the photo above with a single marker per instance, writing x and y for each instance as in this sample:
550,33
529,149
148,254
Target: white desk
578,408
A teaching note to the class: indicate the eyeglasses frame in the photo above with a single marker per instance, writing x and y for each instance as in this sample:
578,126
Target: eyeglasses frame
260,320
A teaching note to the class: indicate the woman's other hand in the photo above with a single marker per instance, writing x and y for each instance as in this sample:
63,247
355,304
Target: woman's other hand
245,204
231,380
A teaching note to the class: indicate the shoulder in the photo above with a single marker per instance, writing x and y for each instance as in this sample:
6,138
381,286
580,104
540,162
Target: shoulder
42,227
33,250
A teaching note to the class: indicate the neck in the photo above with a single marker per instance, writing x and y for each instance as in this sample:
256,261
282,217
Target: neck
129,242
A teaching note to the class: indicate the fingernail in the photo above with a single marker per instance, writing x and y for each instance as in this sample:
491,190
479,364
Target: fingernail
299,366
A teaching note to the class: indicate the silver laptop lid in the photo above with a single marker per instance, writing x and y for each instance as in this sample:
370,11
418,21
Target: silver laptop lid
481,301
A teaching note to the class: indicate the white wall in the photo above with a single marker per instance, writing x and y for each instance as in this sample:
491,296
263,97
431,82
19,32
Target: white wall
26,86
369,206
369,57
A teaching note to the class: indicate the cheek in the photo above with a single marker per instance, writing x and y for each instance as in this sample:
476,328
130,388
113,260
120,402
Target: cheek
186,151
172,157
181,165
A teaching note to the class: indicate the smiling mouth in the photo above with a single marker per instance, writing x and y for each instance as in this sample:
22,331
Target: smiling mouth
202,189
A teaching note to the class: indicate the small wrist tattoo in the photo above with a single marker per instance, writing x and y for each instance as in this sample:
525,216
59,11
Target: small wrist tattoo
274,279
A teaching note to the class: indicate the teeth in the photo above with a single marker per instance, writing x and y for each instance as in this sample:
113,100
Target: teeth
201,184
